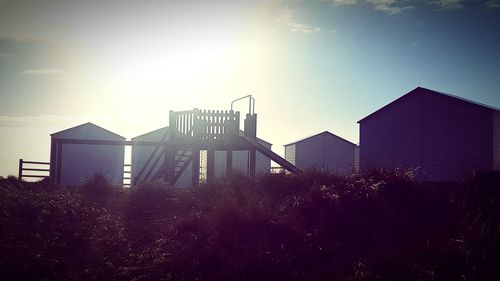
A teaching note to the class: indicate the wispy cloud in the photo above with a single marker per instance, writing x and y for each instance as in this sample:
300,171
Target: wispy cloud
44,71
449,4
304,28
495,4
343,2
40,121
391,7
286,18
54,73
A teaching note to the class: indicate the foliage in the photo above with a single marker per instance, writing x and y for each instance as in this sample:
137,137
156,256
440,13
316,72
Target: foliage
313,226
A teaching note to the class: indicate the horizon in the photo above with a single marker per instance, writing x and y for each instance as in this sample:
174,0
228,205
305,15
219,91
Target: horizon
312,66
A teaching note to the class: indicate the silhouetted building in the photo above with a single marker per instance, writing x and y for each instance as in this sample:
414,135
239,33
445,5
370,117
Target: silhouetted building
78,153
445,137
324,151
148,161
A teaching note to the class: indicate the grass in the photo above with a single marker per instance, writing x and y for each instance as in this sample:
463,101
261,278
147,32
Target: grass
314,226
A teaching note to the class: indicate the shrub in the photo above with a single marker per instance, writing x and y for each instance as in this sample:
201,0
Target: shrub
312,226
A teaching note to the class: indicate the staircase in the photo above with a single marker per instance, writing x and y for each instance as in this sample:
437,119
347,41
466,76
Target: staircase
183,158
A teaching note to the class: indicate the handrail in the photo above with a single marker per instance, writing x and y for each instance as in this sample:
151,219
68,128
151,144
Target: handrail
251,103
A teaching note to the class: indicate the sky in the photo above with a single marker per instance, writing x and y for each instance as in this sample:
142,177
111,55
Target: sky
311,65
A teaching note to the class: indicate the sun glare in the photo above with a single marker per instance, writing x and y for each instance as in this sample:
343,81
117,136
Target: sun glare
159,63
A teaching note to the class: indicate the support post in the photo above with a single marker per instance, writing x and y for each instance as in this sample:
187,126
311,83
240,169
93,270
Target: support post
251,132
53,154
229,162
250,126
252,161
195,165
20,175
170,164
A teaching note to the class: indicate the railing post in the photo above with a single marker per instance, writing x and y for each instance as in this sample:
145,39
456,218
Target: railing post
20,173
172,125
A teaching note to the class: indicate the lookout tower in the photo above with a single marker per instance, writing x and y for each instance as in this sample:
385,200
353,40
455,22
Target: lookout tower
192,131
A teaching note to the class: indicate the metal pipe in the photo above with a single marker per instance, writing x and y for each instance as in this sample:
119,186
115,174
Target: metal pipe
251,103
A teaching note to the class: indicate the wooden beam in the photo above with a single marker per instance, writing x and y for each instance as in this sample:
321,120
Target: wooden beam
195,167
252,161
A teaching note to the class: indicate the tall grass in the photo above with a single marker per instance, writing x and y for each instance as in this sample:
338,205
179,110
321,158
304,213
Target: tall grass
314,226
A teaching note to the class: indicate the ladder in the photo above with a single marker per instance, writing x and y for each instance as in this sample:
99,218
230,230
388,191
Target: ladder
183,157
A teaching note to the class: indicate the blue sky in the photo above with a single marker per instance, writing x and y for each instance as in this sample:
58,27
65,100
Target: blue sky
312,65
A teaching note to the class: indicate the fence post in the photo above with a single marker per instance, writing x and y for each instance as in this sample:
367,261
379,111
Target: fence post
20,173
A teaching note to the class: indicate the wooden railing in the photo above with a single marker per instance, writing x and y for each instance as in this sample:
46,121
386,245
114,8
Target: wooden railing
204,125
127,175
33,166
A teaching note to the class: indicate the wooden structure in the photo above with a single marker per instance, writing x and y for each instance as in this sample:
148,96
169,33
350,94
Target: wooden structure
445,137
192,131
37,169
324,151
78,153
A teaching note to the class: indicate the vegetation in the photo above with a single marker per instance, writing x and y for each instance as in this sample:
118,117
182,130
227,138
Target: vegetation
315,226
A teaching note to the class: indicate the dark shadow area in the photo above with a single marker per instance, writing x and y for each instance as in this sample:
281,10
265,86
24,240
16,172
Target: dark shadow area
311,226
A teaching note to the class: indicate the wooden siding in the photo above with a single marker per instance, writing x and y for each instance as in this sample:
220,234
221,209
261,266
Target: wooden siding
81,161
457,138
325,151
356,159
447,138
496,140
340,155
290,153
141,154
392,137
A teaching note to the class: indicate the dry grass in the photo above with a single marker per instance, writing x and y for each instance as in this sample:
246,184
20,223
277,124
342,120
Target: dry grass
315,226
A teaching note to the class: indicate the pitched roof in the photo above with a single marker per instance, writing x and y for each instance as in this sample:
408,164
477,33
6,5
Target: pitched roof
421,89
67,132
145,135
318,134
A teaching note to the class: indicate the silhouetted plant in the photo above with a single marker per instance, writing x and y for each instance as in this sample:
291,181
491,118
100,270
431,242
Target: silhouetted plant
313,226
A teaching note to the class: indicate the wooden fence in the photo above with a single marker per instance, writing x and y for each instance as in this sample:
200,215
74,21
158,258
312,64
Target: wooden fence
33,166
204,125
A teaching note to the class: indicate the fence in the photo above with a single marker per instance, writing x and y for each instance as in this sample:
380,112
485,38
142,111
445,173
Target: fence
33,166
204,125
